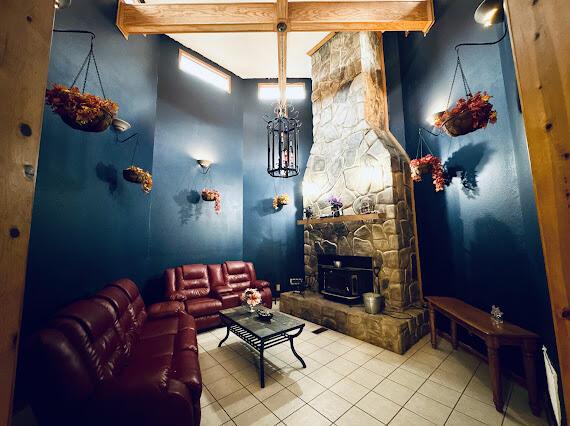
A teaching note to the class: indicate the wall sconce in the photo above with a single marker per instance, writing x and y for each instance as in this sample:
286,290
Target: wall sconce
205,165
490,12
62,4
120,125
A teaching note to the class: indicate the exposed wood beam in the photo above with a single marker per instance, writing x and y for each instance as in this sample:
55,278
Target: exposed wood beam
373,15
282,66
542,61
25,39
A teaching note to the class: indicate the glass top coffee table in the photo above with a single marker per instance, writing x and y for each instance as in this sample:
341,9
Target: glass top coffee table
262,335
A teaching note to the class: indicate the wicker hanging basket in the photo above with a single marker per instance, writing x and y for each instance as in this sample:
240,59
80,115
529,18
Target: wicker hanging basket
131,176
208,196
99,124
460,124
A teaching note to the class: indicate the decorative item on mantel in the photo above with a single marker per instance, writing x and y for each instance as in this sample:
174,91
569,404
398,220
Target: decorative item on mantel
496,315
336,205
251,297
213,195
308,212
77,108
280,201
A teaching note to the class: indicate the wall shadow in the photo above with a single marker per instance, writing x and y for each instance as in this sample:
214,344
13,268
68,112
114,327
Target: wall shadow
189,205
464,164
107,173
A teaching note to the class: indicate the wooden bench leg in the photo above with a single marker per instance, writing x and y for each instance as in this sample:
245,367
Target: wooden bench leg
433,331
529,358
454,334
495,373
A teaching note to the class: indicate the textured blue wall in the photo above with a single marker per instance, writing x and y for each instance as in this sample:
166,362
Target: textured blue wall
480,244
271,238
90,226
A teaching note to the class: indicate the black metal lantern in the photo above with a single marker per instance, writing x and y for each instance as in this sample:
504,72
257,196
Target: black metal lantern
283,143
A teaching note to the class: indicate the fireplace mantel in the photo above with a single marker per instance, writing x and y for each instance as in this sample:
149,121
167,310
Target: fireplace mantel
344,218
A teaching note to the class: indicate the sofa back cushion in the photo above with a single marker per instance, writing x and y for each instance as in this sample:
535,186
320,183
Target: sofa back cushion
192,281
236,275
136,305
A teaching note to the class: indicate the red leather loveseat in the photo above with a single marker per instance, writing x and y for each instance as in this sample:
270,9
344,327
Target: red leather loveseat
109,361
207,289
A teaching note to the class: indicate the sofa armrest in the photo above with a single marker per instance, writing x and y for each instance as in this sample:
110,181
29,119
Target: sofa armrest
221,289
261,284
170,285
165,309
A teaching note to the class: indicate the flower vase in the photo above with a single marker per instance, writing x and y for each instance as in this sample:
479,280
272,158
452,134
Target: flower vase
335,211
251,308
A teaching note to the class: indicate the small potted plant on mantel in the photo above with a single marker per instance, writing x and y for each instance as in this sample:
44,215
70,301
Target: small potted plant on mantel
336,205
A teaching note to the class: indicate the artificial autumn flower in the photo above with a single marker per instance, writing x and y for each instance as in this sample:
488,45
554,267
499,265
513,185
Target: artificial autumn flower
216,196
280,200
429,162
83,108
144,176
251,296
478,105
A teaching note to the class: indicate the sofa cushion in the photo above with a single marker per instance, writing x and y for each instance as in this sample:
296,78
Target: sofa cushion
237,276
203,306
192,281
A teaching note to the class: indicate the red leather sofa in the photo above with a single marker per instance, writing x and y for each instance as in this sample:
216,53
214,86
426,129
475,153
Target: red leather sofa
108,360
207,289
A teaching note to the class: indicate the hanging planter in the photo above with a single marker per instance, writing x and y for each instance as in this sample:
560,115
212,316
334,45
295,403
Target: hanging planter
135,174
280,200
213,195
469,114
425,165
81,111
77,108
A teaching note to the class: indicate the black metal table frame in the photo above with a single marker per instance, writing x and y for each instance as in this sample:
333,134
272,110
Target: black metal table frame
261,344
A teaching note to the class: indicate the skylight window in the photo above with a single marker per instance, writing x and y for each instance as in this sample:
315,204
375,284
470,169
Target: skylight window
204,71
270,91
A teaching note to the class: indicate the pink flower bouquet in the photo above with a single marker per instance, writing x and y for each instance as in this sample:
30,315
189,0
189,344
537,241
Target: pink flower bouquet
251,297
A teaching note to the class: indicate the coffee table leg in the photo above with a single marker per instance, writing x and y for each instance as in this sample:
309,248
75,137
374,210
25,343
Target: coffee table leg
261,367
295,353
225,338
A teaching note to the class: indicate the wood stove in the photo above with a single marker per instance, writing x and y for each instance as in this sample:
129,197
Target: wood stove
345,278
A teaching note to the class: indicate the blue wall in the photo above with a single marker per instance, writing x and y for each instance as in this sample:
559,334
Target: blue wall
481,243
271,238
90,226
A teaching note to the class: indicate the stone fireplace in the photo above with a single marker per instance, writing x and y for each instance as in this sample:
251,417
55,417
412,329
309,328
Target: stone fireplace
355,156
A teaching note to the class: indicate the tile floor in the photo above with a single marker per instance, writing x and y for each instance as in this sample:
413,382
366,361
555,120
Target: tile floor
350,382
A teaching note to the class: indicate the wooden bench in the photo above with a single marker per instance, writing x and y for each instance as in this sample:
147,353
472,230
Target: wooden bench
495,335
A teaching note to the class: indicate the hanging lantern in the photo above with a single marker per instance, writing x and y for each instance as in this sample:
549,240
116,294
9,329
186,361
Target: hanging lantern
283,143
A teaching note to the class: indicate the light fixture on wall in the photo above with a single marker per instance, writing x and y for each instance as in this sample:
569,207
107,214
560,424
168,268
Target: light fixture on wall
490,12
120,125
62,4
205,165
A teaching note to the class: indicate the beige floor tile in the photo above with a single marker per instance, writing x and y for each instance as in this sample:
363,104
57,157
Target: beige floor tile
306,389
305,348
439,352
407,418
214,374
379,367
342,366
337,348
238,402
222,354
283,403
406,378
289,357
457,382
366,378
356,417
206,398
259,415
428,409
320,340
518,411
394,391
350,341
287,376
357,357
369,349
323,356
229,423
392,358
325,376
306,416
480,386
247,375
349,390
206,361
427,359
330,405
213,415
418,368
270,389
224,387
440,393
311,365
479,410
236,364
379,407
459,419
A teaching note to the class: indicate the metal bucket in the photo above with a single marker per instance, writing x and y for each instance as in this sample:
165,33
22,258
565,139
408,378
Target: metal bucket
373,303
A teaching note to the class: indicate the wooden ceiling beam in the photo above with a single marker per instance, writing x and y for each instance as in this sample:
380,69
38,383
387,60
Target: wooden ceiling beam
371,15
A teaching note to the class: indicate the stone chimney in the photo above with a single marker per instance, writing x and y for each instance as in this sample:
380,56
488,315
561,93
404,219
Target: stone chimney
355,156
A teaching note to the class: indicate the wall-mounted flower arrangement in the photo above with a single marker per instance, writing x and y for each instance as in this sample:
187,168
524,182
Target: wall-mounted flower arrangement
471,113
135,174
280,200
425,165
213,195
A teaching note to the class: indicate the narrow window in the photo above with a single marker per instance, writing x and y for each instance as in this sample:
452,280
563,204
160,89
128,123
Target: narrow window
204,71
270,91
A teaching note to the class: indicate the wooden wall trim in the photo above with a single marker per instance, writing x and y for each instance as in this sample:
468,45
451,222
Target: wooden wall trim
25,39
541,50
